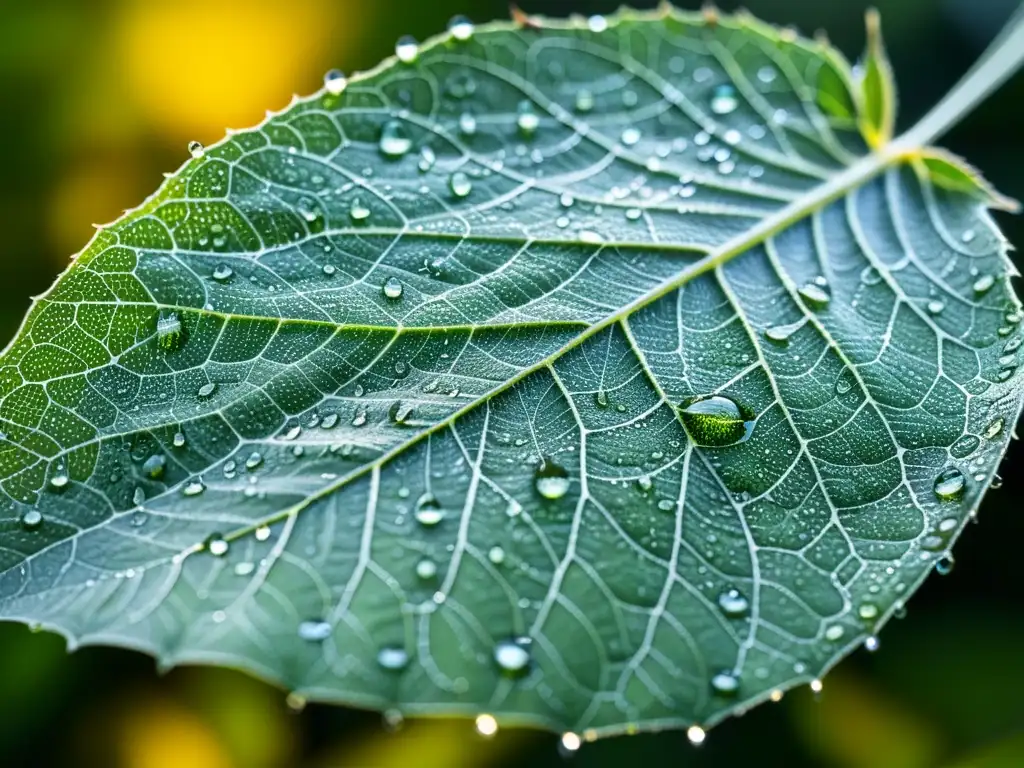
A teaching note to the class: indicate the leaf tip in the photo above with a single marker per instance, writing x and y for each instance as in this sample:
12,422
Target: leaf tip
878,87
522,18
946,170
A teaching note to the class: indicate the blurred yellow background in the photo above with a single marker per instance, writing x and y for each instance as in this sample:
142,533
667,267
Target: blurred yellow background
100,98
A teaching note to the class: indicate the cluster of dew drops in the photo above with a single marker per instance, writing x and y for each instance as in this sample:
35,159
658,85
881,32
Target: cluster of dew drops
712,420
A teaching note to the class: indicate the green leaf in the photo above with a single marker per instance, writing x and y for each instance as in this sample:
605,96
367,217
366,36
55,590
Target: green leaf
583,373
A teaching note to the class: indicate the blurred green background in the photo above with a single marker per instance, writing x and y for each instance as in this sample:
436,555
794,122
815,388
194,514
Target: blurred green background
98,98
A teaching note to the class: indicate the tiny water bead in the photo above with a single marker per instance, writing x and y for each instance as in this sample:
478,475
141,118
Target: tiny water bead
696,735
154,466
392,288
496,555
217,545
460,28
392,658
207,390
816,294
723,100
781,334
715,420
394,141
59,481
835,632
31,519
872,644
733,603
983,284
460,184
426,569
262,533
357,211
335,81
429,511
193,488
630,137
178,441
551,480
944,565
467,124
950,484
527,121
935,307
868,611
196,149
584,100
725,684
570,742
314,630
222,273
486,725
407,49
513,656
995,428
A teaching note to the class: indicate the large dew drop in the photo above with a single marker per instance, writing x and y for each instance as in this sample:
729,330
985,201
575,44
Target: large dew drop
394,141
429,511
31,520
551,480
513,656
950,484
460,184
407,49
716,421
217,545
392,288
335,81
460,28
816,294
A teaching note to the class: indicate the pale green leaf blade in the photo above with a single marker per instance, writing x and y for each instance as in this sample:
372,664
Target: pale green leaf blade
381,399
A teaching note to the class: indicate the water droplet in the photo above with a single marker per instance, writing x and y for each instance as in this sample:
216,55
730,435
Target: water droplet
983,284
935,307
244,568
168,331
513,656
59,481
179,440
461,28
262,533
733,603
725,684
335,81
206,390
870,276
486,725
696,735
630,137
551,480
527,121
601,398
255,460
154,466
871,644
597,23
816,295
400,412
31,519
193,488
766,74
314,630
222,273
496,555
139,497
217,545
584,100
644,483
392,658
868,611
460,184
392,288
724,101
590,237
834,632
944,565
968,235
467,124
964,446
394,141
780,334
357,211
843,384
196,149
407,49
995,428
429,511
716,421
570,742
426,569
666,505
950,484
